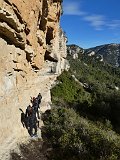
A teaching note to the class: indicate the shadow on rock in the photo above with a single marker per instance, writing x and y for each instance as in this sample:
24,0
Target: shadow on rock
34,150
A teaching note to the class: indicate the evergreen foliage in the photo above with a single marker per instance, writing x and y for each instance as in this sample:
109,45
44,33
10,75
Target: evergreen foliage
74,137
84,123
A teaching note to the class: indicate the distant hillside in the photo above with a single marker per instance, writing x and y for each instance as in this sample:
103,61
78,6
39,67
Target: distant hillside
91,68
109,53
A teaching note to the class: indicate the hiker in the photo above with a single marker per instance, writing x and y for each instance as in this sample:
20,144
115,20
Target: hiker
39,97
36,104
33,123
27,115
32,120
36,101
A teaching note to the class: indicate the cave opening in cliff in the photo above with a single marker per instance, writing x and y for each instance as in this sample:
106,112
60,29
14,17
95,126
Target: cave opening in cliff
49,58
49,36
43,23
29,57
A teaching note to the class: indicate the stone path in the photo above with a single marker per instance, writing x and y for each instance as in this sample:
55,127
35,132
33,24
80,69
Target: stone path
46,80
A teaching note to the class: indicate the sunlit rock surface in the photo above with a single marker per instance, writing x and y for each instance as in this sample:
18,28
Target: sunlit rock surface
32,55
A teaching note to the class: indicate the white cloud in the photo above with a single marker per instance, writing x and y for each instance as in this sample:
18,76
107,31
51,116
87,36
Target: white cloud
73,9
114,24
97,21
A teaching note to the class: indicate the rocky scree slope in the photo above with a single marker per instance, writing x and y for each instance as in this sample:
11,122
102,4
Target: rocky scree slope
32,44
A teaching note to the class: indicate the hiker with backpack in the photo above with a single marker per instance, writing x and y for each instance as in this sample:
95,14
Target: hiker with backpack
32,121
27,115
36,104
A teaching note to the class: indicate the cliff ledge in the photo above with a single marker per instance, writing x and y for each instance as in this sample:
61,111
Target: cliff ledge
32,54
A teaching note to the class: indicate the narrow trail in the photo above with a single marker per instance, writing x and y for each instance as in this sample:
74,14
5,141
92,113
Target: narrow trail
46,80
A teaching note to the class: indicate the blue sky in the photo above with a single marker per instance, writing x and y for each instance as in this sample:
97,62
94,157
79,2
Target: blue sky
89,23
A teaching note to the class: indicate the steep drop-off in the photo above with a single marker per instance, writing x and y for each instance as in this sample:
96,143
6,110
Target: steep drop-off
32,44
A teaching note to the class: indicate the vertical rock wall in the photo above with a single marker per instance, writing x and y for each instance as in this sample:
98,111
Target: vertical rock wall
31,46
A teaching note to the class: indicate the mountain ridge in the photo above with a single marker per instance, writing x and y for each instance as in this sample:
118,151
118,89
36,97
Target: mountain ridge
109,53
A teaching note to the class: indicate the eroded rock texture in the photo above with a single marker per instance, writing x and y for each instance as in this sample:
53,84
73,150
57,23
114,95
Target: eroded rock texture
31,46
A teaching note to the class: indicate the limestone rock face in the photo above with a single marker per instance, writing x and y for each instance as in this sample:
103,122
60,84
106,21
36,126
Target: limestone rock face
32,54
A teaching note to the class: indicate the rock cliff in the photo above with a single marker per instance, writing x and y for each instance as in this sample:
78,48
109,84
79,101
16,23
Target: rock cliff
32,54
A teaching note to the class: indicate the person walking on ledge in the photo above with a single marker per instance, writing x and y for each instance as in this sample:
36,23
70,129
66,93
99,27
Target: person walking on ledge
32,121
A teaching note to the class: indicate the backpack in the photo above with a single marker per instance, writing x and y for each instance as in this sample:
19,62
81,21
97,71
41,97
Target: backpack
29,110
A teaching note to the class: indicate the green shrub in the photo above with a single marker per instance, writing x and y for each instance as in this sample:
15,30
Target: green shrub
74,136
